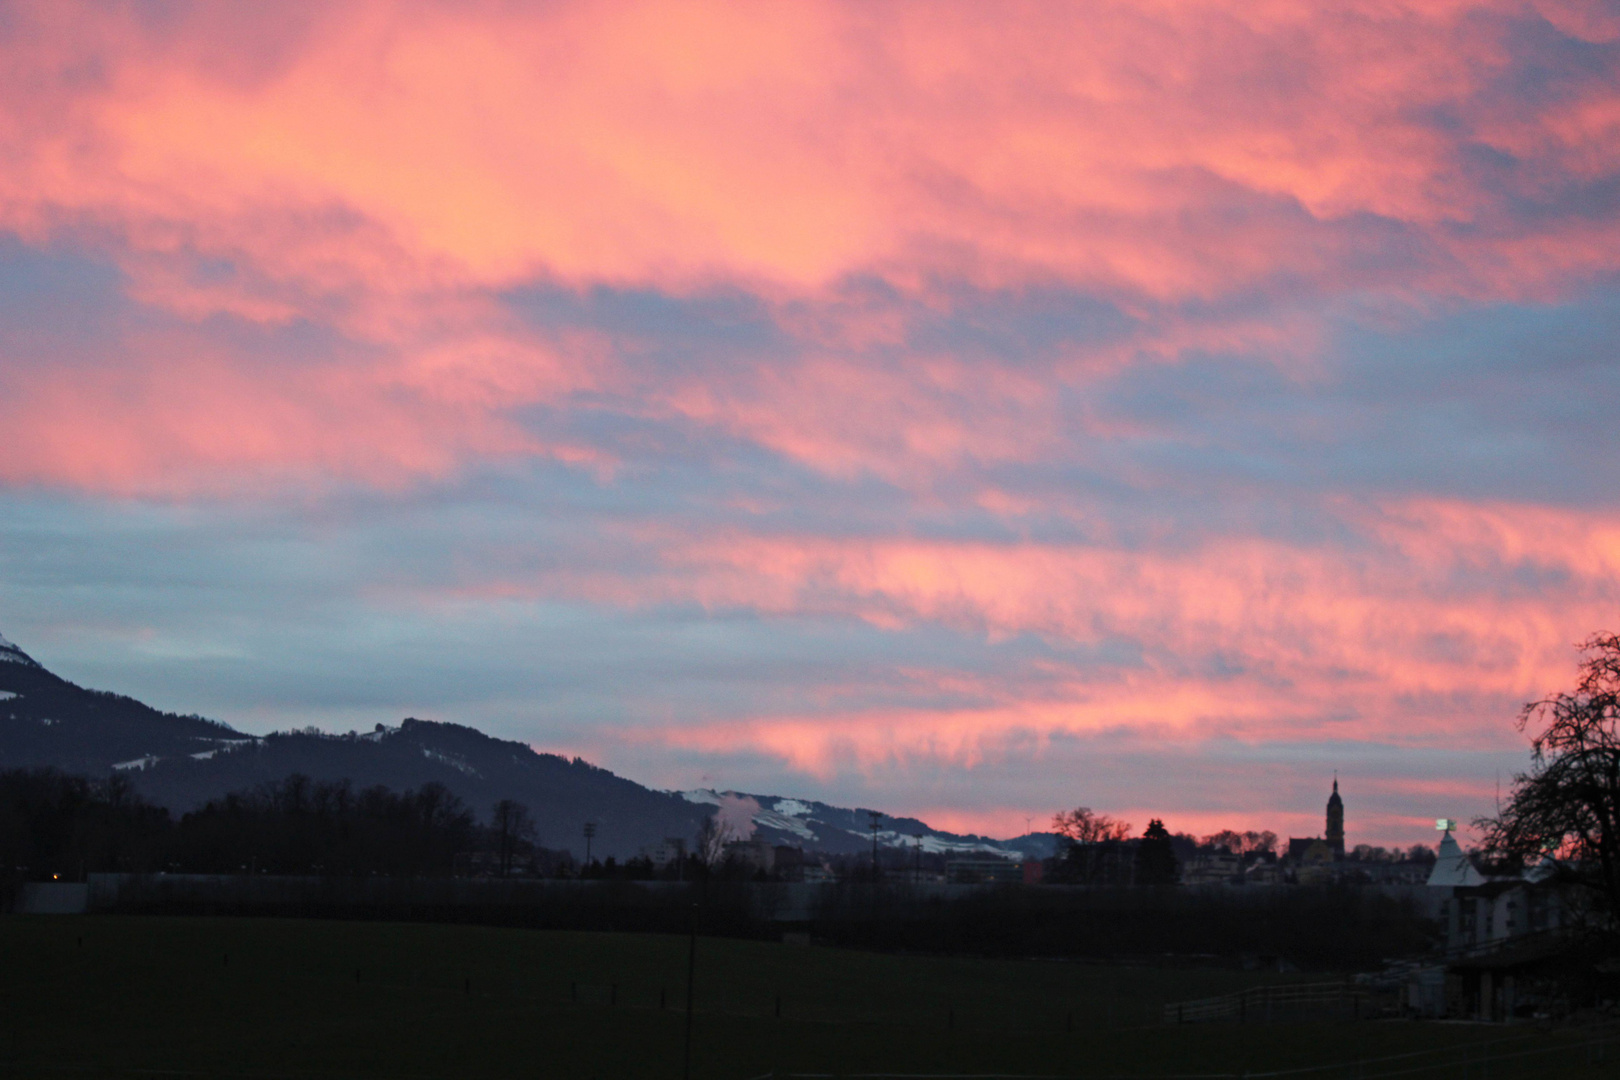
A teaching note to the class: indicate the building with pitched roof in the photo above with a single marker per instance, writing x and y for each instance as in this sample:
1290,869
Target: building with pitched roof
1501,930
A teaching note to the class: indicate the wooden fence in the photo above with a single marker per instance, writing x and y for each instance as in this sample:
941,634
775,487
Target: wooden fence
1265,1002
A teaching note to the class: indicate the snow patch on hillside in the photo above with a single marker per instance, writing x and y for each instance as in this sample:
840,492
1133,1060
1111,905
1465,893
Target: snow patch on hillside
794,817
138,764
775,818
454,763
226,745
939,845
731,803
7,695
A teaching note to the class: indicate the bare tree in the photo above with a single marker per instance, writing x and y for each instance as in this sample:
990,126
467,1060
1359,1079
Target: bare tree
513,827
713,836
1084,826
1568,804
1241,843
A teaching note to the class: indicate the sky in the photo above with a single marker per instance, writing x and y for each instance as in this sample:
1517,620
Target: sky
966,410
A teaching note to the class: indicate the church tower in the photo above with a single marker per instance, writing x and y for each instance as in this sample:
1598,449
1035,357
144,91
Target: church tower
1335,821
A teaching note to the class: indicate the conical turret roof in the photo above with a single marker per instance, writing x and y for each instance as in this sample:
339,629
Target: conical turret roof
1454,869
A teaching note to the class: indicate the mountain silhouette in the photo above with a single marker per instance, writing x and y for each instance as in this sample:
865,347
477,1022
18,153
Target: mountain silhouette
48,721
183,761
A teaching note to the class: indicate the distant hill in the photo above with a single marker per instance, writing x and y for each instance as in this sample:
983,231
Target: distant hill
183,761
561,794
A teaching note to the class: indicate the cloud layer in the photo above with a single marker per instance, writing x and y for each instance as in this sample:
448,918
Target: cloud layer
1186,375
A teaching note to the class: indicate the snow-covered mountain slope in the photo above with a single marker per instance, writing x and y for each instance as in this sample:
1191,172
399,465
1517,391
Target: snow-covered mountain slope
822,827
9,653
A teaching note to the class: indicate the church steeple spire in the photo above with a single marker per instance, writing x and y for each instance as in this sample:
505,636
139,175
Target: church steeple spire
1335,820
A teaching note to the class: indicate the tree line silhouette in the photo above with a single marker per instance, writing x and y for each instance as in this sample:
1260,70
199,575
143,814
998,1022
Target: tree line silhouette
54,825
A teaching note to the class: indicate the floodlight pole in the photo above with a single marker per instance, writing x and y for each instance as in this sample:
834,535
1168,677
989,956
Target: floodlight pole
876,817
590,831
691,976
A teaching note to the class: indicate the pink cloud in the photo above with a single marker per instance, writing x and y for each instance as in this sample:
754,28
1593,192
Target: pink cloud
372,167
178,413
1410,639
1113,146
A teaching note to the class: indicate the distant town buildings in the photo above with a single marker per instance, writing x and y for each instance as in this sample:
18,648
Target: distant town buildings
1224,859
757,855
1212,868
984,871
672,849
1321,860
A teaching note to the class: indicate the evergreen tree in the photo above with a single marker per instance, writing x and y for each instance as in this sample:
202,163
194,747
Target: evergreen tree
1156,856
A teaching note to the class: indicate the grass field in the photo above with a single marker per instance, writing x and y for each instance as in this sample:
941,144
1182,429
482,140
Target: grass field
104,996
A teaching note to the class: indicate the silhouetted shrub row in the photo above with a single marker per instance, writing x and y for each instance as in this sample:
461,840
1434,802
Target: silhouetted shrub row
54,825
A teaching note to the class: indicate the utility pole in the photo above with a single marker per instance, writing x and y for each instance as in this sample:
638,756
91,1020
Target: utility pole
590,831
876,817
691,978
